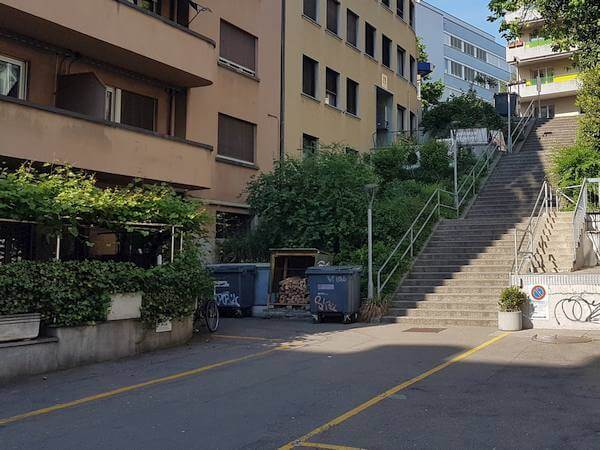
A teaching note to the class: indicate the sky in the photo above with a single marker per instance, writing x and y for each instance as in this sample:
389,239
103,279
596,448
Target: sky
474,12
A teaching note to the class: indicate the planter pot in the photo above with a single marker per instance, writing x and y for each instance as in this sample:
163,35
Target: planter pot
19,326
510,321
125,306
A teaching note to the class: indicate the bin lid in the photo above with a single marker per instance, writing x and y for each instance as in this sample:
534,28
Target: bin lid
231,268
333,270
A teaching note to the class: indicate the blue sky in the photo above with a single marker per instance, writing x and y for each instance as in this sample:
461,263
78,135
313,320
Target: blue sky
474,12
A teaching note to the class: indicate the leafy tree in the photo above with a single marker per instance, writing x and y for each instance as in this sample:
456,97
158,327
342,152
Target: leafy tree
588,100
463,111
431,93
422,55
568,23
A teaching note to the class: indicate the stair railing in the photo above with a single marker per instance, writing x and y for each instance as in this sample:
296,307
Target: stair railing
406,246
579,216
523,123
525,248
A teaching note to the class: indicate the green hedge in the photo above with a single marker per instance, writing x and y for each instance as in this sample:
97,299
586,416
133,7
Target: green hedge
78,292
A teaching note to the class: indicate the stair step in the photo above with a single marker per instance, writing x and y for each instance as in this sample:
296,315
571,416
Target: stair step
444,313
440,322
482,289
460,268
465,306
451,275
446,297
454,282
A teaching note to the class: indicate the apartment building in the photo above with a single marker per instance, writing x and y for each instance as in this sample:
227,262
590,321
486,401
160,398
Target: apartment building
350,74
162,90
464,57
547,78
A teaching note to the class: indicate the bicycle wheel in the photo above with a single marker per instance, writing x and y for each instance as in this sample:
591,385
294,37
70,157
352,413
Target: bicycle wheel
211,316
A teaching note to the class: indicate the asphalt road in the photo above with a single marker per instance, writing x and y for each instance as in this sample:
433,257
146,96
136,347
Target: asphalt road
278,381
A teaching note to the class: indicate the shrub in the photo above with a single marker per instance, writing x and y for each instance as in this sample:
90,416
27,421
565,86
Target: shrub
570,165
587,100
395,161
435,161
511,299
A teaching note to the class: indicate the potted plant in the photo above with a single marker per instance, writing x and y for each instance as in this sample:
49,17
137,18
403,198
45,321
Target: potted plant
510,317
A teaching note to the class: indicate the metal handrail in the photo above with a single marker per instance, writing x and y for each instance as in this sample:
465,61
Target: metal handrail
523,122
579,216
412,234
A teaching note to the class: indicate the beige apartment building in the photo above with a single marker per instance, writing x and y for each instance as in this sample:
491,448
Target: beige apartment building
350,73
162,90
547,78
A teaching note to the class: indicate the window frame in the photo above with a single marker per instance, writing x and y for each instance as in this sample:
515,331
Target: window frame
337,9
328,92
306,151
236,65
400,112
369,27
400,9
401,61
411,14
351,82
316,18
23,75
386,50
350,13
233,158
412,64
315,77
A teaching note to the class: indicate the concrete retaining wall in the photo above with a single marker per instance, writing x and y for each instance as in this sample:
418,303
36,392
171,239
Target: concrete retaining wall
63,348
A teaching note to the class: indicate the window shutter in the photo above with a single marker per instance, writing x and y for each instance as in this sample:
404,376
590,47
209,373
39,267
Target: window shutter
236,138
138,110
237,46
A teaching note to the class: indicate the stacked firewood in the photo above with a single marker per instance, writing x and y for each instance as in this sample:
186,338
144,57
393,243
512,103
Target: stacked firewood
293,291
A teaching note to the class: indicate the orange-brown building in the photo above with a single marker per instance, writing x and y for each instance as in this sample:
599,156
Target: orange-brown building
163,90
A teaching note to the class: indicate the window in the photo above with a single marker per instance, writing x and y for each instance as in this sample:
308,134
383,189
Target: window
401,55
137,110
148,5
413,70
481,54
411,14
400,8
12,77
237,48
370,40
352,28
351,151
386,51
469,49
236,139
310,9
455,69
352,97
331,87
401,118
310,70
333,11
456,43
413,124
386,3
231,225
310,144
469,75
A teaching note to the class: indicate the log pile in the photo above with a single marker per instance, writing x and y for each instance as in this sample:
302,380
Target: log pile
293,291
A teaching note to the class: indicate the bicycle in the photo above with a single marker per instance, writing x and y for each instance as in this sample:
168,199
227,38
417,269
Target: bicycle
207,314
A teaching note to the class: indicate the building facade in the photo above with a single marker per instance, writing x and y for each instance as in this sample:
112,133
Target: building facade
160,90
350,74
546,78
464,57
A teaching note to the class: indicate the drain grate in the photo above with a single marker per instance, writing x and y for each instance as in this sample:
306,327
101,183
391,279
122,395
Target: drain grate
556,339
424,330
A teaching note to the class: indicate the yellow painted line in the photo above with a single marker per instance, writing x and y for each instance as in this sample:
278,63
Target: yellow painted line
248,338
377,399
122,390
328,446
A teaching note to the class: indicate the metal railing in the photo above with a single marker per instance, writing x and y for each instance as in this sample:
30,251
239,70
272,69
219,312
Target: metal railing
524,249
523,123
406,246
579,216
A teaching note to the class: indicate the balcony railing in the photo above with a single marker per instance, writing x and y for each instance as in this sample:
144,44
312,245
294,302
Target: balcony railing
550,85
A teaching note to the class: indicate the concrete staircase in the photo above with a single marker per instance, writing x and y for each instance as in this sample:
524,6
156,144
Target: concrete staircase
555,250
458,277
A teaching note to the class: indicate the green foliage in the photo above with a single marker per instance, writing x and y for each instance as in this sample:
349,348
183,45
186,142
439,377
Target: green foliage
568,23
422,55
570,165
435,162
588,100
511,299
463,111
64,197
394,162
76,293
431,92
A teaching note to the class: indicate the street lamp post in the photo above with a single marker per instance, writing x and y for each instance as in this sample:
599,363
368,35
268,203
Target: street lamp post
371,189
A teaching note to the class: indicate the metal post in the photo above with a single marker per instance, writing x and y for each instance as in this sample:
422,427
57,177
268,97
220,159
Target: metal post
370,233
58,247
172,244
510,142
181,241
546,196
439,210
516,253
412,234
455,144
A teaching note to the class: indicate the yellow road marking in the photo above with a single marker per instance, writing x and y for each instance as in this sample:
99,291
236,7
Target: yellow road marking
121,390
328,446
249,338
377,399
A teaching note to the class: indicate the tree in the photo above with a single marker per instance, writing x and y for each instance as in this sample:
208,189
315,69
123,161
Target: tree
431,93
569,23
422,55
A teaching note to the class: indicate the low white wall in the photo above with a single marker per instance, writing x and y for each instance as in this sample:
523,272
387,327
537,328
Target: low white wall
561,301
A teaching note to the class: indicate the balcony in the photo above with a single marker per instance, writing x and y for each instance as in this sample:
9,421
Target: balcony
43,134
521,15
532,50
119,33
552,87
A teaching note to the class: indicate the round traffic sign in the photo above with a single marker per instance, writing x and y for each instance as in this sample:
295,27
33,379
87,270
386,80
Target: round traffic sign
538,293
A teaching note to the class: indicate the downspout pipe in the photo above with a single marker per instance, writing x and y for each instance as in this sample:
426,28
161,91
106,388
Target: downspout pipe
282,85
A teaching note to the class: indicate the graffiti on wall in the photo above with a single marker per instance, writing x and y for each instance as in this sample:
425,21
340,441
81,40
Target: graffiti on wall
578,309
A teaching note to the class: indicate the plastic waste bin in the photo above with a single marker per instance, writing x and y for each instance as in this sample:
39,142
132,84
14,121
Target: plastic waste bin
234,287
334,291
261,289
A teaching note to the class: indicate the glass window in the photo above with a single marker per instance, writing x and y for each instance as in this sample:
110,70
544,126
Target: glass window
148,5
370,34
386,3
400,8
401,55
138,110
456,69
469,49
351,96
310,144
386,51
352,28
236,138
413,70
411,14
310,69
456,43
331,87
231,225
333,11
469,74
12,77
310,9
401,118
481,54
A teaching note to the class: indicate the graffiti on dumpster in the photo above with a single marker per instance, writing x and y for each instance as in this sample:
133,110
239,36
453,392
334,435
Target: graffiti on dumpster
224,297
578,309
324,305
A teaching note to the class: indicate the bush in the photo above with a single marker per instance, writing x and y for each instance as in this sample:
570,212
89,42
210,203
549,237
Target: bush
587,100
77,293
394,162
511,299
435,162
570,165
